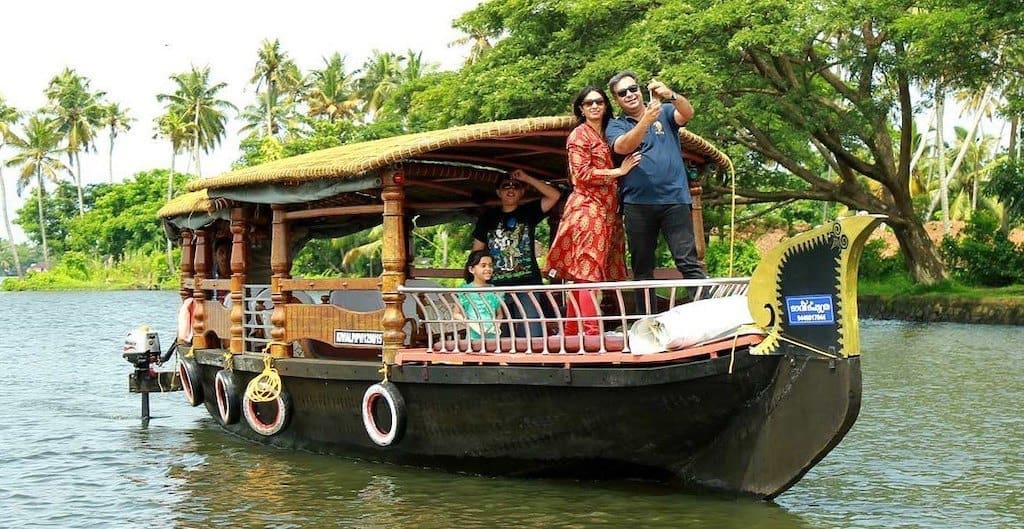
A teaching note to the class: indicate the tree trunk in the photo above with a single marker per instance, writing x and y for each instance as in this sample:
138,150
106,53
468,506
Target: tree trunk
110,157
7,224
78,184
170,195
922,259
197,132
940,104
948,179
1014,127
42,223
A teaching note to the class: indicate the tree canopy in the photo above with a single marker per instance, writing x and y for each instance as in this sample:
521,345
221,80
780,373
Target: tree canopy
825,92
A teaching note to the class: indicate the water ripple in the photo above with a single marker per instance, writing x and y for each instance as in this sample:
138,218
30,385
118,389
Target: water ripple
936,446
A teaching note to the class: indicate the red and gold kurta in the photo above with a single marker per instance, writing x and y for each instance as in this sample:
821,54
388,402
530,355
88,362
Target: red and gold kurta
589,245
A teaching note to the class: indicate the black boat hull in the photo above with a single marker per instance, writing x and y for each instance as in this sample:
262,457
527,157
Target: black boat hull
748,425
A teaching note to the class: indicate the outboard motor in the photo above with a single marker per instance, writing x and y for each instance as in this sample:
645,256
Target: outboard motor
142,350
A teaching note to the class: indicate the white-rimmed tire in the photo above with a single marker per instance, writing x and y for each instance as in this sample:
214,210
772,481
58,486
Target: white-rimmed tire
229,396
393,406
268,418
191,380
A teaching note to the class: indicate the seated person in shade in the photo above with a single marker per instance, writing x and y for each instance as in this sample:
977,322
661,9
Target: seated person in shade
483,306
222,267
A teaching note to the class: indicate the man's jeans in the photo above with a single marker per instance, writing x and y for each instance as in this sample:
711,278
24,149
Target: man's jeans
643,223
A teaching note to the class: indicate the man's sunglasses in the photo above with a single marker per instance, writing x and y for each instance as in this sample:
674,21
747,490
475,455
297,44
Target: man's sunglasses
510,185
632,89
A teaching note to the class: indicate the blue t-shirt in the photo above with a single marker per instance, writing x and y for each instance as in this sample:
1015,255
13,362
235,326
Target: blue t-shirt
661,176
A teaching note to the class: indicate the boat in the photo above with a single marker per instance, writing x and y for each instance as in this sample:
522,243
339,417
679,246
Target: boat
740,401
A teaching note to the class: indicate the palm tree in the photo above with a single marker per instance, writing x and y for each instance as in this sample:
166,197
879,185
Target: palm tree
254,117
39,156
479,37
382,73
79,114
331,93
195,99
177,129
980,107
8,117
280,75
415,68
117,120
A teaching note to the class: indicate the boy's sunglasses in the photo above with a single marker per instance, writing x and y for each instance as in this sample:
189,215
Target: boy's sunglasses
510,185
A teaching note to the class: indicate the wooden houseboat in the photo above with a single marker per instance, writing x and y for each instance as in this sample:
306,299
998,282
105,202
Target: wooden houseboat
743,402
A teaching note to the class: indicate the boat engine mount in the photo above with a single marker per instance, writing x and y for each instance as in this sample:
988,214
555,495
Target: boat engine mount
142,350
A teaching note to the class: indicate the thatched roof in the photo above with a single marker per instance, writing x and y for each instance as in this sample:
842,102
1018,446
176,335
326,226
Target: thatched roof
536,144
194,202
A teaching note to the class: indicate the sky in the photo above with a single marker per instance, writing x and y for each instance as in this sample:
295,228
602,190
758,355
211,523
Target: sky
130,49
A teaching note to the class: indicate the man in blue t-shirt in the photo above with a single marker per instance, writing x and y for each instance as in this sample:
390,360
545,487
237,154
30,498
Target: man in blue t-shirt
656,193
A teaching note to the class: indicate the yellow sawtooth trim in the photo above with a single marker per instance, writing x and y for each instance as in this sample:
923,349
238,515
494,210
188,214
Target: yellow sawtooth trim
764,299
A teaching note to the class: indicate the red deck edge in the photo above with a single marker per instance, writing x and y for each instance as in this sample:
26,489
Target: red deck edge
711,349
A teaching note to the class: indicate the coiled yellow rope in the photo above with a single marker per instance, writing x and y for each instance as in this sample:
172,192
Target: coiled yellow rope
266,386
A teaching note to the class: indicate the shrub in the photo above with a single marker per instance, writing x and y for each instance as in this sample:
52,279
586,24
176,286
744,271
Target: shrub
984,255
716,256
876,266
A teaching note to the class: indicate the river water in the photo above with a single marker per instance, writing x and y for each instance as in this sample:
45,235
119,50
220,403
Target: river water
938,444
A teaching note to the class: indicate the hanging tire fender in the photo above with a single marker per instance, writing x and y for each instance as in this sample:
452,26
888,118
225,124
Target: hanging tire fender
395,407
268,418
226,387
191,380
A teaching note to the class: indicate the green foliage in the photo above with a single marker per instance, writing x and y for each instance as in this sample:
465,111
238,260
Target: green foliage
745,257
318,258
874,265
984,255
78,271
123,217
1007,182
60,211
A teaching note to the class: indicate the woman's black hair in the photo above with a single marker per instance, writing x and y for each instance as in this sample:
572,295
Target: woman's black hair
577,104
474,259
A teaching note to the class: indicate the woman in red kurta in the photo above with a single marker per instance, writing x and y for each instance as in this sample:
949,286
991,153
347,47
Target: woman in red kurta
589,245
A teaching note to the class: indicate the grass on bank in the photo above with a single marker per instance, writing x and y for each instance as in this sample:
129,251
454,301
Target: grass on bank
903,286
75,271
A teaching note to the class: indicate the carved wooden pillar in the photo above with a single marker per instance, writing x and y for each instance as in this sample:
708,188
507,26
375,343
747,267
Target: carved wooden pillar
239,265
697,214
202,267
280,266
393,260
187,263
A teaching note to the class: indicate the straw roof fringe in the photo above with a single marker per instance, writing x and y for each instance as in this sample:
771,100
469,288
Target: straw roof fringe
354,159
194,202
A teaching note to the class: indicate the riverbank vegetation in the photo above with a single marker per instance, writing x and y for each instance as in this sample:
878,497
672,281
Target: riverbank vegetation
824,109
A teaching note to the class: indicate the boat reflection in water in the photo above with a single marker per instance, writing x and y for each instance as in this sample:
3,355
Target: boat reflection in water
237,484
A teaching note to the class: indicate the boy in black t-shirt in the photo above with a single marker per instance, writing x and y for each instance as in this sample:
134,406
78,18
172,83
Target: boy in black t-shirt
509,233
